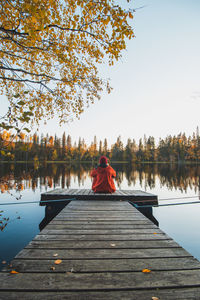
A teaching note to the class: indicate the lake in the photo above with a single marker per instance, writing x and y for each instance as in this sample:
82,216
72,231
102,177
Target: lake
22,183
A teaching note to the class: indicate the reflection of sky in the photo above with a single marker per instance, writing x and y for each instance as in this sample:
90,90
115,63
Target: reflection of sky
179,222
19,232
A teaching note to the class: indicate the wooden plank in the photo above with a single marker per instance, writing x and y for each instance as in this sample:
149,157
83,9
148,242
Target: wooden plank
81,205
96,237
105,265
100,203
99,281
99,214
102,244
191,293
114,223
121,193
69,191
103,218
102,214
101,231
73,204
98,226
103,253
126,207
95,204
77,192
86,192
96,209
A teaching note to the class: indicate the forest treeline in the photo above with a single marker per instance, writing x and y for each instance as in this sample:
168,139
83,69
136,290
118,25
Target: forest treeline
48,148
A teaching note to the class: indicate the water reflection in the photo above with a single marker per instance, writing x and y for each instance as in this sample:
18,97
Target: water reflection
28,176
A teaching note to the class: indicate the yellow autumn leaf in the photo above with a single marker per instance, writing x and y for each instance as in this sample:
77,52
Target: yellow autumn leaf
58,261
146,271
14,272
130,15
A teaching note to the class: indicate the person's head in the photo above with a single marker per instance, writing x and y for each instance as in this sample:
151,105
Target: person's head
103,160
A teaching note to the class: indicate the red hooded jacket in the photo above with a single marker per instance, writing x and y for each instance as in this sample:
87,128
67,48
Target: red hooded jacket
103,180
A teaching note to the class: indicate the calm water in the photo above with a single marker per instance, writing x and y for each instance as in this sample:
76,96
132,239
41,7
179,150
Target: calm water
25,182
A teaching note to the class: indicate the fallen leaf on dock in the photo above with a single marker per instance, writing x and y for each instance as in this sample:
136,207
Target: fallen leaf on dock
58,261
154,298
146,271
56,254
155,233
14,272
112,245
53,268
68,273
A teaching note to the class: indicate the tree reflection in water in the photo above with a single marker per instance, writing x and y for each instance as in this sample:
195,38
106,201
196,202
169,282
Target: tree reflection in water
17,177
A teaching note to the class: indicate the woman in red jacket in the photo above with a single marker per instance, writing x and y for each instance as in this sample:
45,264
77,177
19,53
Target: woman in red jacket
103,177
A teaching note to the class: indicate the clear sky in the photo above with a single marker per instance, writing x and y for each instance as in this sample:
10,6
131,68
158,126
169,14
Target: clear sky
156,85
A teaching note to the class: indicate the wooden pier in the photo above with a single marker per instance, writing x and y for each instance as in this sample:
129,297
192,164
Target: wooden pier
103,250
135,196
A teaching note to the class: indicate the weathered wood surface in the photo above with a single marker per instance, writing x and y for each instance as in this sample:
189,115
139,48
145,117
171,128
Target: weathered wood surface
137,196
43,244
96,237
173,294
103,253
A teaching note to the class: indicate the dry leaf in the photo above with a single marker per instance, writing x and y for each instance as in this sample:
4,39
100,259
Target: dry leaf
146,271
56,254
154,298
155,233
112,245
14,272
68,273
58,261
53,268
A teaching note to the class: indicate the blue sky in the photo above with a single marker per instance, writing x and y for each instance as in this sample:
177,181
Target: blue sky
156,85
